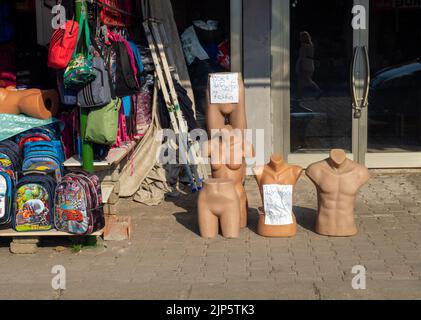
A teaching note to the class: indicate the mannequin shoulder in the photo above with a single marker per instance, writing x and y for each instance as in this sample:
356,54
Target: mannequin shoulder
258,171
315,171
296,171
363,173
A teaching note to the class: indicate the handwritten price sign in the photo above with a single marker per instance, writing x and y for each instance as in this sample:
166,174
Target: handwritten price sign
278,204
224,88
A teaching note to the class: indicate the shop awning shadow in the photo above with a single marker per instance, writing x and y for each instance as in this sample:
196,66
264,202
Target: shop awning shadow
306,217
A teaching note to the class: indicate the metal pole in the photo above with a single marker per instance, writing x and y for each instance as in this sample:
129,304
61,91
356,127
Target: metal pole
87,148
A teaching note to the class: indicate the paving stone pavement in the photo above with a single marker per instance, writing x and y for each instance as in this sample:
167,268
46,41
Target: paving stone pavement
166,258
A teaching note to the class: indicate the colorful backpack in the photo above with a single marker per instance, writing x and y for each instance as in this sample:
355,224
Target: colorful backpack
54,146
34,206
10,158
45,156
78,204
80,70
6,198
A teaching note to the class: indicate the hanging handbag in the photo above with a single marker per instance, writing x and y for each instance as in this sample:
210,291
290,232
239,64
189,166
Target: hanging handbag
80,70
97,92
62,45
103,123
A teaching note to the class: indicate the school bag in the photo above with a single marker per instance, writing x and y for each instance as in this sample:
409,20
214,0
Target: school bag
6,198
97,92
43,156
54,146
34,206
62,45
80,70
96,131
10,158
78,202
126,81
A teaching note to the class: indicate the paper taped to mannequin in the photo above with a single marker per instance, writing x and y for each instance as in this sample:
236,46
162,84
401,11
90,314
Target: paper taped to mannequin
278,204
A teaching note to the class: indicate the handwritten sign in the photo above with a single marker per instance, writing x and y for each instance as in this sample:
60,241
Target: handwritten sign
224,88
278,204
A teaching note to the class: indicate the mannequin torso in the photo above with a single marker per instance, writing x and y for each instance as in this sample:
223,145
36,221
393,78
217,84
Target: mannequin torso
281,173
337,182
216,113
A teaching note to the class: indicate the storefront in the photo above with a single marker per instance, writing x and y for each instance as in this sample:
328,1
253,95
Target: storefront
354,85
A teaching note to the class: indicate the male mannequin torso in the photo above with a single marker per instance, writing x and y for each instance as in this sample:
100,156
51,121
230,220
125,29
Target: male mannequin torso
337,180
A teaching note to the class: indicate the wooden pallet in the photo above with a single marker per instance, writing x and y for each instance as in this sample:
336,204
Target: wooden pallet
27,242
50,233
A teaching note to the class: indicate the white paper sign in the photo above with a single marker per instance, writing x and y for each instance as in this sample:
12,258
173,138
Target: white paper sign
278,204
224,88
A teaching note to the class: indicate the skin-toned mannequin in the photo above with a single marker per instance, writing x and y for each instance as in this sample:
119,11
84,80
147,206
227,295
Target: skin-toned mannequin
32,102
276,172
236,112
337,180
229,165
218,203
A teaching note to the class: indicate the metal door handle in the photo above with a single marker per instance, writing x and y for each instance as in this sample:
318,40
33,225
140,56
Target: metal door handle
367,80
355,106
359,104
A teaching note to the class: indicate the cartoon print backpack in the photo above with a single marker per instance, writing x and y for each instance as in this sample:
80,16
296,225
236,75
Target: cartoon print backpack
78,204
6,198
10,158
33,204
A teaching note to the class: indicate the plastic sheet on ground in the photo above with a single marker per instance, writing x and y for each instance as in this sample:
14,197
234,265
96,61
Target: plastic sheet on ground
11,125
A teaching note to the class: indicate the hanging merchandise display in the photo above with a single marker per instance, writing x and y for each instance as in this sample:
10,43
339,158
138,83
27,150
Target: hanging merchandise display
97,92
62,45
80,69
96,131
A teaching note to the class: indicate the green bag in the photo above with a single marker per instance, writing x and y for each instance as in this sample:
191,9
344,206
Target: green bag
80,69
102,125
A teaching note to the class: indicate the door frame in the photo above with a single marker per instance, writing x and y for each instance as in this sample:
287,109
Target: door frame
280,88
280,99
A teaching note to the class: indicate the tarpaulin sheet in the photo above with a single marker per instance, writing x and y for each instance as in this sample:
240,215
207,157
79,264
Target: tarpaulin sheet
11,125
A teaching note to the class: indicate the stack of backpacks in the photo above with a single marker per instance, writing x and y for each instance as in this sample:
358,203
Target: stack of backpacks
35,195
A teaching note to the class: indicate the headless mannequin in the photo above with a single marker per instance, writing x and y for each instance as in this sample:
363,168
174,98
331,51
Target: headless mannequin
337,180
276,172
32,102
219,204
229,166
236,112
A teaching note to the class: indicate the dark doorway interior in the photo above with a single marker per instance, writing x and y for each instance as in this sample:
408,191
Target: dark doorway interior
198,16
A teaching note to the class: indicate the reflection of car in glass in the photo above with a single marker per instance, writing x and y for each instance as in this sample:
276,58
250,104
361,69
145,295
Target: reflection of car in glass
396,92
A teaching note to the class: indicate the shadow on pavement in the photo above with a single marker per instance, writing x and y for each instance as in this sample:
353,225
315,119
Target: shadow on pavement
306,218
